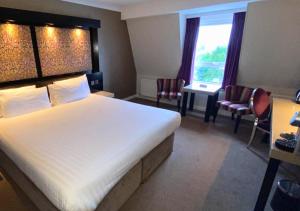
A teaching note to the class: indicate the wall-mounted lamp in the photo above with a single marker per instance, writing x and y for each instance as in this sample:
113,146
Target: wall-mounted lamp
78,32
50,30
10,21
10,28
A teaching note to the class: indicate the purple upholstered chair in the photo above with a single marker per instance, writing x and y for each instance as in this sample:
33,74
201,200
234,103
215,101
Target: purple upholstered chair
260,104
237,100
170,89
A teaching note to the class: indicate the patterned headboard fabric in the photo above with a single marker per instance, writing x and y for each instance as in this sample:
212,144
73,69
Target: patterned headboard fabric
60,52
17,60
63,51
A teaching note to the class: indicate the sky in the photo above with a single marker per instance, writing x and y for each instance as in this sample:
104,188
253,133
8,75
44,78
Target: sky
211,36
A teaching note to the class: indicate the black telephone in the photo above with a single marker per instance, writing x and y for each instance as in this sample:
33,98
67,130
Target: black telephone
298,97
288,141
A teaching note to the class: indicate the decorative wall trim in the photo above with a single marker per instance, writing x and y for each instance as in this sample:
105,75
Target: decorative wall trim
94,49
33,19
25,17
36,51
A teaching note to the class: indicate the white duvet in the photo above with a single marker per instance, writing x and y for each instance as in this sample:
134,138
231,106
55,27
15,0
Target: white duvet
75,153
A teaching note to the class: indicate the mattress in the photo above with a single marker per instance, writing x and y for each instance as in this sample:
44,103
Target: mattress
75,153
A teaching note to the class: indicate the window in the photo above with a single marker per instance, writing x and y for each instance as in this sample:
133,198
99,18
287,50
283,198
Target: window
211,50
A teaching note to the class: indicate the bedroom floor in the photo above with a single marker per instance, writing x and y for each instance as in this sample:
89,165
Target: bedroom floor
210,169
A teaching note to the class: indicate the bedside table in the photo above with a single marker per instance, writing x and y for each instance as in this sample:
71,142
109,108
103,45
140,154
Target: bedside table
105,94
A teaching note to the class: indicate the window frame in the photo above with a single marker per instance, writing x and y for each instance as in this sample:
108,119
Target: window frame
209,20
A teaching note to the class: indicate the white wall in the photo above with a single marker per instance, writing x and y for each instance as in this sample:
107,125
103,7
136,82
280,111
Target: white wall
163,7
270,56
156,47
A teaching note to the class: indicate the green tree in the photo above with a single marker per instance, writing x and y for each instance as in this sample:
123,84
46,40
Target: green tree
217,55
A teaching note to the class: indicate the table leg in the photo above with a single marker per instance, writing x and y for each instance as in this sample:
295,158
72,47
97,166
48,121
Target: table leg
213,106
267,184
184,103
192,100
209,103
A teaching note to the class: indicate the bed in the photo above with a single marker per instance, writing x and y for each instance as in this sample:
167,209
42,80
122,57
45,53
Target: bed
90,154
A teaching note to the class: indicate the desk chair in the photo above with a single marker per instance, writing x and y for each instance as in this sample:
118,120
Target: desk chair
261,107
170,89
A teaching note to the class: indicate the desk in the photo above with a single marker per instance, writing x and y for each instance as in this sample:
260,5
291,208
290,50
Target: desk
211,90
282,112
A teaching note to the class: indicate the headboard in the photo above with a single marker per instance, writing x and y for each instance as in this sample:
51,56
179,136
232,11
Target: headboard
37,48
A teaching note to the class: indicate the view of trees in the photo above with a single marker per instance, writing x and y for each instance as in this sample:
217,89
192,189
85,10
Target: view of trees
217,55
209,67
211,52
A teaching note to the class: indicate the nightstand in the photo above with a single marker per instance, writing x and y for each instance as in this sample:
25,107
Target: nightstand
105,94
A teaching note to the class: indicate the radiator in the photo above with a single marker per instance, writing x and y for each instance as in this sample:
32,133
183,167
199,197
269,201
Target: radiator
148,87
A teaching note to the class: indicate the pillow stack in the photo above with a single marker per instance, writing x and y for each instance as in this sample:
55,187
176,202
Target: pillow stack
28,99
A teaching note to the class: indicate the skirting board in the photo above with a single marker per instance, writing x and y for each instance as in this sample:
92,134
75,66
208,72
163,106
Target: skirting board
131,97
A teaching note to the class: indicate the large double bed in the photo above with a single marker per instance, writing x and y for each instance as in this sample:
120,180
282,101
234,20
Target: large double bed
90,154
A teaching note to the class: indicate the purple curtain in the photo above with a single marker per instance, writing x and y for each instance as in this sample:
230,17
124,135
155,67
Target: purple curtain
234,49
190,41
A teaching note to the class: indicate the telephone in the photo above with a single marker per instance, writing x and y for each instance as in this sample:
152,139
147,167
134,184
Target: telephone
298,97
290,142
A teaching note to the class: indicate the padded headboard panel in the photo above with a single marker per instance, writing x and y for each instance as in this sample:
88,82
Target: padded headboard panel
16,53
63,50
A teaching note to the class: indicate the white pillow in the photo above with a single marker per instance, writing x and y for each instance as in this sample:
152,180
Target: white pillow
69,90
72,80
22,101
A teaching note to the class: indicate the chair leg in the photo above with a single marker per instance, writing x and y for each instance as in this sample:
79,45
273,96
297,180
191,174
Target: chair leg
157,102
266,138
237,123
216,113
178,104
232,116
253,133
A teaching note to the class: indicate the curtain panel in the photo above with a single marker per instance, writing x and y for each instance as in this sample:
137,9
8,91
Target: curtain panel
190,42
234,49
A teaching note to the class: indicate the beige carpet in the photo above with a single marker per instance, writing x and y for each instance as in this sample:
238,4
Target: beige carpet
210,169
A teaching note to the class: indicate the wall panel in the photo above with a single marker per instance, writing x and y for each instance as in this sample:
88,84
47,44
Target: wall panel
16,53
63,50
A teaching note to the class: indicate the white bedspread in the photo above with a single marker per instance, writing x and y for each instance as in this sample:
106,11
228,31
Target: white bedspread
75,153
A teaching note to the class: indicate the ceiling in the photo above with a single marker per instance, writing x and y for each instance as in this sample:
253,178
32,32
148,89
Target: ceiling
115,5
141,8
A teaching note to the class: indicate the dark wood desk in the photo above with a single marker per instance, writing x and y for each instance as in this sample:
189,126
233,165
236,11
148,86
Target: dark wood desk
211,90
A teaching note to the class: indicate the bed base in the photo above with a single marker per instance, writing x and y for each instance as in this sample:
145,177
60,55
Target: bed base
117,196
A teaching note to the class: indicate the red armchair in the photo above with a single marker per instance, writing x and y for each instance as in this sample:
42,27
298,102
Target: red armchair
237,101
170,89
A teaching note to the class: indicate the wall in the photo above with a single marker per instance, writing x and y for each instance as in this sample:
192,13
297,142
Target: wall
271,47
269,57
156,48
116,60
159,7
